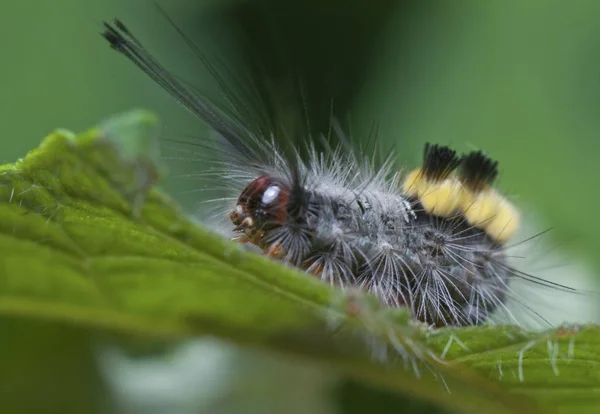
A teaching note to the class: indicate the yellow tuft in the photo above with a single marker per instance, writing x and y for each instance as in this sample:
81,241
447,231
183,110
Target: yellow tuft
505,223
441,199
481,208
413,183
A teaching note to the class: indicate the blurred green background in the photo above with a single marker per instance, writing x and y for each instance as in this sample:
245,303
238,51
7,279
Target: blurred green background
520,80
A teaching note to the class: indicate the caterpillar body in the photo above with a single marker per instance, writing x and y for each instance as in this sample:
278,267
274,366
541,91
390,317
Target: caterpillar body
433,240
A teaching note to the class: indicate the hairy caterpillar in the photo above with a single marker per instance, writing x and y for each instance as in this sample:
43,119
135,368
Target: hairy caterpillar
433,241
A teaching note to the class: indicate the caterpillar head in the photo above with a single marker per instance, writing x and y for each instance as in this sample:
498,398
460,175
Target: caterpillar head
261,206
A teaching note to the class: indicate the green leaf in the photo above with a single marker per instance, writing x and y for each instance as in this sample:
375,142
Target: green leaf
88,241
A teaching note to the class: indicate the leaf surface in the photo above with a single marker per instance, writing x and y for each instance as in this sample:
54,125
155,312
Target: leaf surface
88,240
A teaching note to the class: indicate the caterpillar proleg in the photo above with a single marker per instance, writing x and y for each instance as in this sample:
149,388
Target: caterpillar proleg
433,240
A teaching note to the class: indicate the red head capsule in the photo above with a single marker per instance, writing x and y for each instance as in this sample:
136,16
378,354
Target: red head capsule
261,206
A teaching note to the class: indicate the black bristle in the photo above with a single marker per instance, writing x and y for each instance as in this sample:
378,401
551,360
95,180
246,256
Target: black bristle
114,34
478,170
111,35
439,161
123,41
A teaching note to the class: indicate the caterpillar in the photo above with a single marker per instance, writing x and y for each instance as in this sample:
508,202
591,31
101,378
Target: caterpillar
433,240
